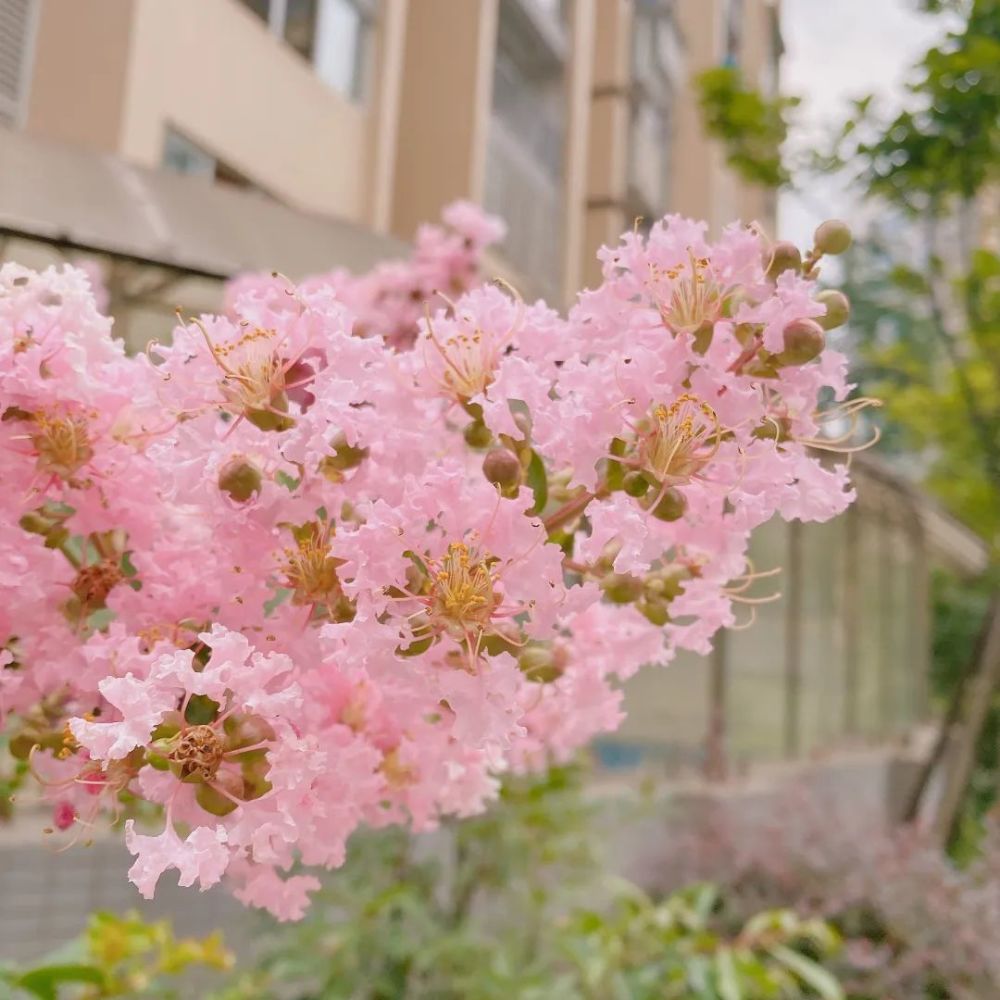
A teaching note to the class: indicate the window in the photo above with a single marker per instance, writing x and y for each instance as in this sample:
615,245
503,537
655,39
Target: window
655,67
334,35
732,27
259,7
182,156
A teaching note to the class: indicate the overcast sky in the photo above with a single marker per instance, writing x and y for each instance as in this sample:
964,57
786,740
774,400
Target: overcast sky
837,50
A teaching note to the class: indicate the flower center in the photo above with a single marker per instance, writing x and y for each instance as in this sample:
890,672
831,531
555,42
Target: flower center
694,296
310,569
198,753
462,594
63,444
680,441
92,584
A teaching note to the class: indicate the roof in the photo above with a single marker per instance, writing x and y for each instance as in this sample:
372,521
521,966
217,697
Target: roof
949,541
92,201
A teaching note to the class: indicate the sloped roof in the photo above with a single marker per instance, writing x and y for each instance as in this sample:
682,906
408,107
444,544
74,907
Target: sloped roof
92,201
949,541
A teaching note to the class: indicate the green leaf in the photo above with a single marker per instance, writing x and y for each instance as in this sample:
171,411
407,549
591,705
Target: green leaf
813,975
44,982
538,480
725,971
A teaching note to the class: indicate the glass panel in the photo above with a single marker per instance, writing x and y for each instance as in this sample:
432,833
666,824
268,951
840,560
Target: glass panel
732,26
902,628
666,718
183,157
525,149
822,654
653,57
870,624
260,7
340,46
332,35
756,705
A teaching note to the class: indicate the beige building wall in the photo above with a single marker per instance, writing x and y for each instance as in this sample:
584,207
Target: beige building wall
703,186
444,108
607,161
118,74
80,72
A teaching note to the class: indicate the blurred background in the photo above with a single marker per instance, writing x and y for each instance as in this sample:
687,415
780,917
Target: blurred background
174,145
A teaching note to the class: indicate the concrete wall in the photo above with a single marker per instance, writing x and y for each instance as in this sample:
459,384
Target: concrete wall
118,74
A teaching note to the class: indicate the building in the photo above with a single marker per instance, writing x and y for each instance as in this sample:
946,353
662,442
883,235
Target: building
570,118
182,141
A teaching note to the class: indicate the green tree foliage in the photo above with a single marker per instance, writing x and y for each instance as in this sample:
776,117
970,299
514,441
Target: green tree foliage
926,296
751,127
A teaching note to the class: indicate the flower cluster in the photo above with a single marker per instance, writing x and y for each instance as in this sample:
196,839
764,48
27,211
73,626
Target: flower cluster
300,570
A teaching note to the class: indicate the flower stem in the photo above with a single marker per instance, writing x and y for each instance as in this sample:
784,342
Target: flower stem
573,508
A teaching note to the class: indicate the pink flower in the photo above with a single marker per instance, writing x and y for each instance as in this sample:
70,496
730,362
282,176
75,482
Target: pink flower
351,551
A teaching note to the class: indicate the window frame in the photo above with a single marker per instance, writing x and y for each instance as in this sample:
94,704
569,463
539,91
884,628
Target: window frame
277,22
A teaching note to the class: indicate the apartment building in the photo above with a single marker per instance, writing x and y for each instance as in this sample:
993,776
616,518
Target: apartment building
570,118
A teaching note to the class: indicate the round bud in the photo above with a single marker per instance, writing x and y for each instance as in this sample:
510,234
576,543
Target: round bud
246,731
20,746
477,435
502,468
212,799
635,484
804,340
655,612
620,588
832,237
240,479
540,664
838,309
785,256
671,506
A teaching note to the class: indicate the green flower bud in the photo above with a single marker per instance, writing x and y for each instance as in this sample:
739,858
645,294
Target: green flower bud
246,731
621,588
671,506
20,746
157,760
240,479
804,340
541,664
832,237
477,435
212,800
345,457
635,484
502,468
655,612
785,256
268,420
838,309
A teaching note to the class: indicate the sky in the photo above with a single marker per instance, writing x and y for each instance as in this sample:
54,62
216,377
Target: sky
837,50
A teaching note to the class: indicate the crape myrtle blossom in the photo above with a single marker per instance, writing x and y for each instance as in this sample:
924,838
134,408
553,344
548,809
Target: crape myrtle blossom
350,551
